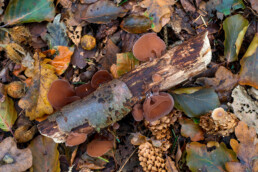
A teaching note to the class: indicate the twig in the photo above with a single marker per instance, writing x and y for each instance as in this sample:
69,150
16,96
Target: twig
127,160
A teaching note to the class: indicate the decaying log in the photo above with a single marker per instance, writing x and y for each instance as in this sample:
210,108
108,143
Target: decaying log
113,100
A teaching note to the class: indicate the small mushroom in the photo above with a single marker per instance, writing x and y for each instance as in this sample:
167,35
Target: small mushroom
137,112
98,148
218,113
84,90
148,47
61,93
157,106
75,138
100,77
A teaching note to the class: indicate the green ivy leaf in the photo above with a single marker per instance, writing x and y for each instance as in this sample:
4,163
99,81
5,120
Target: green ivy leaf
26,11
196,103
235,28
8,114
226,5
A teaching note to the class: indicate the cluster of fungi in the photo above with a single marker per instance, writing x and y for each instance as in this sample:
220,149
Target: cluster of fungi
156,105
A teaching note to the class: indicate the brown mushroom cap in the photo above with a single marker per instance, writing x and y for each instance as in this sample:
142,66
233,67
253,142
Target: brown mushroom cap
98,148
74,139
157,106
137,112
84,90
100,77
148,46
61,93
218,113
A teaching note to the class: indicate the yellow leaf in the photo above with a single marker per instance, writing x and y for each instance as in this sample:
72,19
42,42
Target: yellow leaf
158,11
35,102
125,62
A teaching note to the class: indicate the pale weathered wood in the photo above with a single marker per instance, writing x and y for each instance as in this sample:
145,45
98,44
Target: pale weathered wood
113,100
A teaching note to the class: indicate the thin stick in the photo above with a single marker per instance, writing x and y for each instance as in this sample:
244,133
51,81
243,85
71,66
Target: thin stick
127,160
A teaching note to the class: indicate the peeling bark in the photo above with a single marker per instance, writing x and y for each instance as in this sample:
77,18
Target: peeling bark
114,100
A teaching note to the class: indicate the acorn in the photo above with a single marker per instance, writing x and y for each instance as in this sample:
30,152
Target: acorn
16,89
88,42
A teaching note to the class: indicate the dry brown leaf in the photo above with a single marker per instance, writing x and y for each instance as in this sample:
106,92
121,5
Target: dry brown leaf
158,11
15,160
171,167
254,4
223,83
74,33
35,102
190,129
246,150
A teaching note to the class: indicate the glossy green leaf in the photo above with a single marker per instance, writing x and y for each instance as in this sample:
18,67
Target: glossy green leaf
26,11
45,154
197,103
249,65
56,35
8,114
199,159
235,28
226,5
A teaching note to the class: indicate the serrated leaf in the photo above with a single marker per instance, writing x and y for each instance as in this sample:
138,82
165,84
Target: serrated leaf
226,5
35,102
249,65
197,103
56,35
26,11
8,114
45,154
199,159
235,28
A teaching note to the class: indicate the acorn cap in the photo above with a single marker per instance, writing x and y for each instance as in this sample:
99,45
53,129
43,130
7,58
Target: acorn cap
74,139
98,148
148,46
218,113
157,106
61,93
137,112
84,90
100,77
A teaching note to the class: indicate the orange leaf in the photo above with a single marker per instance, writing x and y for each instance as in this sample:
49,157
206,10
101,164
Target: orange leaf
62,60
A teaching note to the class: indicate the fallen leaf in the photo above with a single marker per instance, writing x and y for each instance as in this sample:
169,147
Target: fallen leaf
125,62
195,104
171,167
56,35
158,11
26,11
245,107
35,102
199,159
80,57
90,163
188,6
235,28
62,60
225,6
74,33
8,114
102,12
14,160
190,129
223,83
254,4
249,65
246,150
45,154
38,30
136,24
